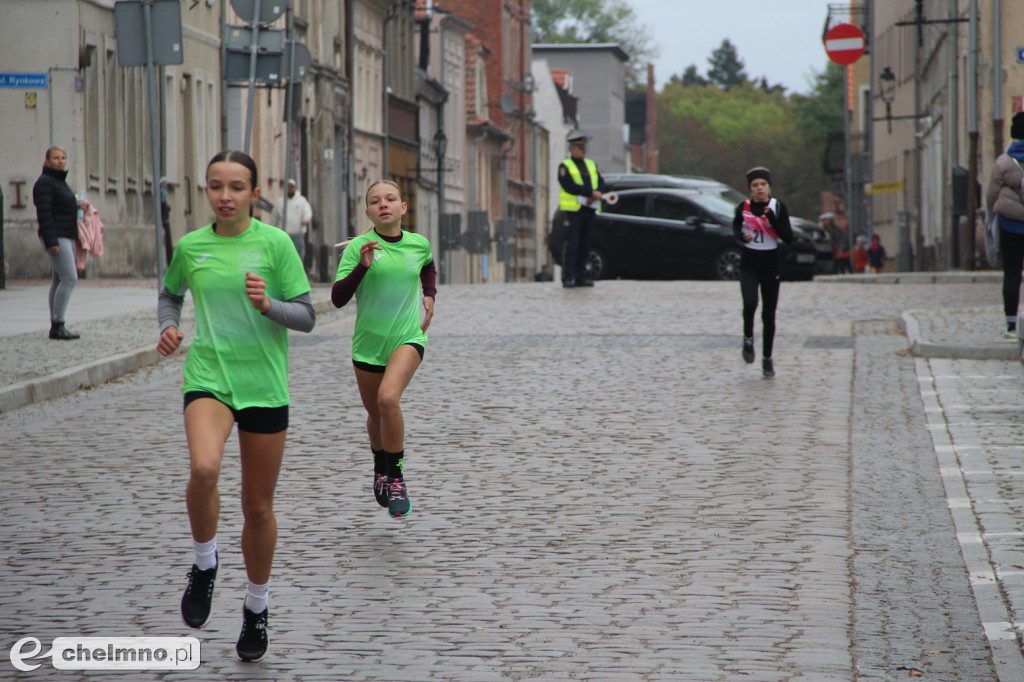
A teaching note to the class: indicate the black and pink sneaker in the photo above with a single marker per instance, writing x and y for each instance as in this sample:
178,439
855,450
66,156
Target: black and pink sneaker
380,489
398,498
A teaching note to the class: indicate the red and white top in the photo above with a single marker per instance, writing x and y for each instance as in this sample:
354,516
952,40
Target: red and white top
762,235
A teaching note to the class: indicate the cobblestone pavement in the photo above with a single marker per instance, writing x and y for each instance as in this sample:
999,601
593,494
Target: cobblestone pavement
602,490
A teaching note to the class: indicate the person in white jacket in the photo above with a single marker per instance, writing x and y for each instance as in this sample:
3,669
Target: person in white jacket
299,216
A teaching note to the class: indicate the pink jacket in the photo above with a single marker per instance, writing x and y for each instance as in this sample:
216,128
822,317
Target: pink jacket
90,235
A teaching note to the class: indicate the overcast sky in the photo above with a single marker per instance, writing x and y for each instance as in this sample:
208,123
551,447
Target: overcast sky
780,39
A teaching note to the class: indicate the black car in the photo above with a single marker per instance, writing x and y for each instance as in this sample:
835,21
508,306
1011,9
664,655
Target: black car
802,227
822,239
699,183
670,233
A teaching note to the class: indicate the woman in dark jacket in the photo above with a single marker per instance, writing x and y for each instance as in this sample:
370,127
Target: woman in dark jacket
57,213
1005,196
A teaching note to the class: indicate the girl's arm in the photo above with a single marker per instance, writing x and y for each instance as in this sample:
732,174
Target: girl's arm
168,309
295,313
428,279
780,222
344,289
737,222
168,312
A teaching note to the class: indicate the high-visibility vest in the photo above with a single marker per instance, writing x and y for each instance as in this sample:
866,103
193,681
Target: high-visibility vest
570,202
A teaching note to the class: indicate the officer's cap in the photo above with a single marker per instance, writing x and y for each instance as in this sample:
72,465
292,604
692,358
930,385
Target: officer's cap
577,137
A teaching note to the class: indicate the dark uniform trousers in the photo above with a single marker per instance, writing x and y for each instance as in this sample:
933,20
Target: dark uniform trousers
575,255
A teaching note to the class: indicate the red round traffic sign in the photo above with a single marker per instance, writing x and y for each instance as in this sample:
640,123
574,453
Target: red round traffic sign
844,43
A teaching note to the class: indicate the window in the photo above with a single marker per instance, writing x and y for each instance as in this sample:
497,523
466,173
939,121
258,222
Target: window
93,137
133,101
673,208
110,121
631,204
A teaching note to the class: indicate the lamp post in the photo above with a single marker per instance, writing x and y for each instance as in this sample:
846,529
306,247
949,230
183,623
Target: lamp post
887,89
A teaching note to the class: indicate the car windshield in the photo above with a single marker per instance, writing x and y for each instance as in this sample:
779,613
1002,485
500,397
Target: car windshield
715,204
732,195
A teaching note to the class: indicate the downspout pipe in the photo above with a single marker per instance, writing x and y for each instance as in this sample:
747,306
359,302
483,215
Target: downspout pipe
972,133
473,200
997,77
441,180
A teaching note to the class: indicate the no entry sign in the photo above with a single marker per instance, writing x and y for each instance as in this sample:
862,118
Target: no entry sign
844,43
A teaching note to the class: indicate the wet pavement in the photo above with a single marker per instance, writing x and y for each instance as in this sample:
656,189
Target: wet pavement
601,488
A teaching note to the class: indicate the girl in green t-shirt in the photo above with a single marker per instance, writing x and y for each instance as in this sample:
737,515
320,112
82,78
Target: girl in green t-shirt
384,268
248,286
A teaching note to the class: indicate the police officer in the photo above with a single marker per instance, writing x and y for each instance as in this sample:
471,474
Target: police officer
580,200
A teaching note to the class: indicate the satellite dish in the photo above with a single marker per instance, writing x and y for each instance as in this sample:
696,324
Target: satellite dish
508,102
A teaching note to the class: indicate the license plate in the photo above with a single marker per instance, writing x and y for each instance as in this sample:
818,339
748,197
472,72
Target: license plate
805,258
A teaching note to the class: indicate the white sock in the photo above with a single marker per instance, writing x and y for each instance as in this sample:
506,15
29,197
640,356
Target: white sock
205,554
256,597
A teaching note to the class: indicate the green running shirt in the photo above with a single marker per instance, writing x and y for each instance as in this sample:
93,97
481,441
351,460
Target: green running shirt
237,354
388,297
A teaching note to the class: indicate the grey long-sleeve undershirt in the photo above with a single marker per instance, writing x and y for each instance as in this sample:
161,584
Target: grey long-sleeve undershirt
295,313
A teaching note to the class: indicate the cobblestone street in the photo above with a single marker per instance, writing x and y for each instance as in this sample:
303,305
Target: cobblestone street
601,488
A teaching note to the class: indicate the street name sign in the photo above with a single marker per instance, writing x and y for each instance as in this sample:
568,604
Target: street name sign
24,80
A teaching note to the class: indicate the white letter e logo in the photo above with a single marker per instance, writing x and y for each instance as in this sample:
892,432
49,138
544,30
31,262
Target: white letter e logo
17,657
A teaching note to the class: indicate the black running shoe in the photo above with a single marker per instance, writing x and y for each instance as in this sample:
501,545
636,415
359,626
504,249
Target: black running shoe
398,498
768,368
380,488
197,602
252,643
748,350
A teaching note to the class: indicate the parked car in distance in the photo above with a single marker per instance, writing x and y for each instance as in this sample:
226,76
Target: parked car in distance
674,233
617,181
817,234
821,239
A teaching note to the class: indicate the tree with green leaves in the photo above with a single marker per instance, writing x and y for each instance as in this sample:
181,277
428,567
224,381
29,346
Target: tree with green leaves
690,77
726,67
595,21
720,133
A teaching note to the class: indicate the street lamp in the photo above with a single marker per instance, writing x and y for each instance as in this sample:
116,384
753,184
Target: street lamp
887,89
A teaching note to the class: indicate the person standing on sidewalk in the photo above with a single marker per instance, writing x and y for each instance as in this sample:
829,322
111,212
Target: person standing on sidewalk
876,255
384,268
57,213
760,223
1005,195
249,288
300,215
581,187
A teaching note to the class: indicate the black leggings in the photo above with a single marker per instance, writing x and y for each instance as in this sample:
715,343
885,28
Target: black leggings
767,279
1012,246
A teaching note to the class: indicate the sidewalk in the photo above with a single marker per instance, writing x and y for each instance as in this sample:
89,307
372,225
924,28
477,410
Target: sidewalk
967,334
117,321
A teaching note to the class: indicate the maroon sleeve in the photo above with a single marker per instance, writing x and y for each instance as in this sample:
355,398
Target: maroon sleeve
345,288
428,278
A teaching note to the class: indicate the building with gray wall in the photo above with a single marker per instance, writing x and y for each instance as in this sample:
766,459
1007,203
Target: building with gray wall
599,82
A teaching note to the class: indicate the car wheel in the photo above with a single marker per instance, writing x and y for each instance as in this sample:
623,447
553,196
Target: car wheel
727,264
599,265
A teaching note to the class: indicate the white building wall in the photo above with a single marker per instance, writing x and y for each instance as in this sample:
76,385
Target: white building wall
99,113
